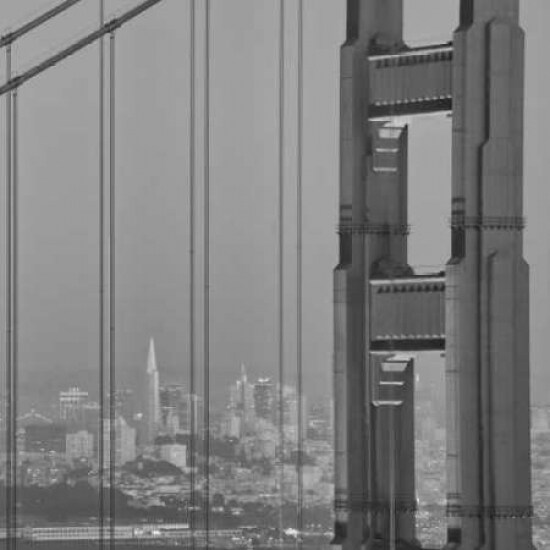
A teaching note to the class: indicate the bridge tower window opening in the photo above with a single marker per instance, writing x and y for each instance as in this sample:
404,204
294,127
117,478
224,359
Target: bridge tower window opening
418,16
429,197
429,192
430,448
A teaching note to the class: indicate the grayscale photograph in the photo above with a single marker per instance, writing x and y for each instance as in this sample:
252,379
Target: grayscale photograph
274,275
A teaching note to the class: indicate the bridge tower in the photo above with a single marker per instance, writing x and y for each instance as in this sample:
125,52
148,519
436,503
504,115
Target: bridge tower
476,310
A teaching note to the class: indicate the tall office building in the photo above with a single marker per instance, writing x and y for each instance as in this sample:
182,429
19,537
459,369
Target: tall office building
172,401
71,404
181,412
125,442
264,399
241,405
154,417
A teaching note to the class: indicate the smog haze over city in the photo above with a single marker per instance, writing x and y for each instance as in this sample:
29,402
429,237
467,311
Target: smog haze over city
59,144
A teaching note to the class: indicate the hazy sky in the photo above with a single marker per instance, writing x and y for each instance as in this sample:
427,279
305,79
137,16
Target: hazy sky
59,188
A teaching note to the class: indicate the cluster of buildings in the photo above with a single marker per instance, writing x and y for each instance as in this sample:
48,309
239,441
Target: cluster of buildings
75,432
263,406
162,424
75,435
159,427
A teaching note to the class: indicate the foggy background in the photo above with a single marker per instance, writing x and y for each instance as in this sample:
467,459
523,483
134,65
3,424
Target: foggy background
59,190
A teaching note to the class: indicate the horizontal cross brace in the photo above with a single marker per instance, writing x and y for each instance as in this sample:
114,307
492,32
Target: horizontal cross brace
407,314
411,82
416,345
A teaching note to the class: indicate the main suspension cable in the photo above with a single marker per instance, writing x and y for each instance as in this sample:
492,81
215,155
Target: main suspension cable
206,274
281,288
75,47
299,274
192,174
9,38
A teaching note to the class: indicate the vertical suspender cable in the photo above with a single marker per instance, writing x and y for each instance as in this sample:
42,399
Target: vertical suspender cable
101,446
112,349
299,282
192,173
207,275
12,386
281,289
15,306
10,508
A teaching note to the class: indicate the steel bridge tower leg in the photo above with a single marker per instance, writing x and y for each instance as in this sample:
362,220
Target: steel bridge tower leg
488,287
373,222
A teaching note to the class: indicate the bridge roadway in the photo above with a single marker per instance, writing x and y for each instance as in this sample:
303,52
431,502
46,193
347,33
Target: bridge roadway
136,532
149,537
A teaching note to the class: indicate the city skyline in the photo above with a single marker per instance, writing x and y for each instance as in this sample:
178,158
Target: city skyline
71,399
259,444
